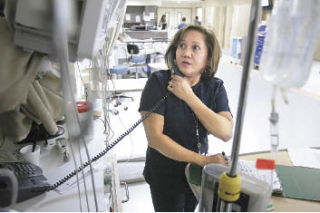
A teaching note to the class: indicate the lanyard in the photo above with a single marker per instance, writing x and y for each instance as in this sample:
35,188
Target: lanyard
197,132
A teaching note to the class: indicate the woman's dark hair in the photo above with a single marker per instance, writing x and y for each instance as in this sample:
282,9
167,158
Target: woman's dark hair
163,18
214,50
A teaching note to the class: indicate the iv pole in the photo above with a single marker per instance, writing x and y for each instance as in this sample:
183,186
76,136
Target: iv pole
255,14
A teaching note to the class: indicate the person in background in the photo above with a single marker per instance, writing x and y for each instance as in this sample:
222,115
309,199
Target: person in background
183,23
196,20
177,131
163,22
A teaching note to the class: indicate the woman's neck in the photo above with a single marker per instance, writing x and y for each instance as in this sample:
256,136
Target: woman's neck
193,80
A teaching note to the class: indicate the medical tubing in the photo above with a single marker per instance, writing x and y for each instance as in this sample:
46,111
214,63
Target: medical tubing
60,41
110,146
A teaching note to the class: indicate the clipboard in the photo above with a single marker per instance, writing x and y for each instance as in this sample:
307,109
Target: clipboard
299,182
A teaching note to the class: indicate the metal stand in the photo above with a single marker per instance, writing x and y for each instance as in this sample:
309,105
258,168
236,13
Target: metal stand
248,59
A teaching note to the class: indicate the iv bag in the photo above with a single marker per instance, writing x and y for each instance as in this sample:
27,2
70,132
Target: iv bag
291,41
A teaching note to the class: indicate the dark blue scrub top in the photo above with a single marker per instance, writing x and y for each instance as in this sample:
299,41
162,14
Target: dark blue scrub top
179,125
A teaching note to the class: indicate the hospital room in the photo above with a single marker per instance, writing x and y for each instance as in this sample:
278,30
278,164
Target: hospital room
87,88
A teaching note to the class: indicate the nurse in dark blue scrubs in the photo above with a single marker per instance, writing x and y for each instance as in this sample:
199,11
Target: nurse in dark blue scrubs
177,131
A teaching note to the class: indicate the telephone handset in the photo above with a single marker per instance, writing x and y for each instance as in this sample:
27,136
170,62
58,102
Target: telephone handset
172,66
31,182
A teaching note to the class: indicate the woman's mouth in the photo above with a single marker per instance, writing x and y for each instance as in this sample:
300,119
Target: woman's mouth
186,63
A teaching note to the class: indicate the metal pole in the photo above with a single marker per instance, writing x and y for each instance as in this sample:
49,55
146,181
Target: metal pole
248,58
255,14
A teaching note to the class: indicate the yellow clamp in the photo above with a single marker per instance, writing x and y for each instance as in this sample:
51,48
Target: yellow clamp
229,187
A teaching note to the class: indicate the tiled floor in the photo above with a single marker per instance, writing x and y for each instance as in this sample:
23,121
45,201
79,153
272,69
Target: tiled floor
140,199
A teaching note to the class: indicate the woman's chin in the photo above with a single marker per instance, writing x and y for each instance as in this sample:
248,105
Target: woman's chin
188,72
185,70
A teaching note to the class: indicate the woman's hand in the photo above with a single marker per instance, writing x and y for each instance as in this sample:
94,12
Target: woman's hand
180,87
217,158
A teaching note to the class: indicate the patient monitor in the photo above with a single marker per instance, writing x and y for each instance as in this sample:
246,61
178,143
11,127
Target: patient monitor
87,20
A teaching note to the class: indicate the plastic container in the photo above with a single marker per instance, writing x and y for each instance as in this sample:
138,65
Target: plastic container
291,41
255,194
274,133
86,119
31,156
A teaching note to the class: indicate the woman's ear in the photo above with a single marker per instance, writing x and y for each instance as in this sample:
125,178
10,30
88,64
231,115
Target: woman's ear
209,65
216,54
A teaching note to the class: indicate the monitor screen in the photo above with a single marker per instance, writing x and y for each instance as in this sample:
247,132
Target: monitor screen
91,21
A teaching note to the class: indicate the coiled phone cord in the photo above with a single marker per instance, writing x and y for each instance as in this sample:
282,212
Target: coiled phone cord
110,146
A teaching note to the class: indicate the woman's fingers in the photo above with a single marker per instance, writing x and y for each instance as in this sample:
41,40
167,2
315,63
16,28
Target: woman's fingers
218,158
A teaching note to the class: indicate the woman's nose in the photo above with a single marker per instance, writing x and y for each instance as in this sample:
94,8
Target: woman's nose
187,52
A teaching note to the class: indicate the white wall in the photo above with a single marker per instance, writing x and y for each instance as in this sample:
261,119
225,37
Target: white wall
317,54
143,2
228,19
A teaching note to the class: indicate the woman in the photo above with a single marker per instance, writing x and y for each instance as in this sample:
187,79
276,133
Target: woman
198,103
163,22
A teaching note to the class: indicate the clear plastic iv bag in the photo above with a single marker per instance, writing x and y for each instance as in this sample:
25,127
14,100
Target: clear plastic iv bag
291,40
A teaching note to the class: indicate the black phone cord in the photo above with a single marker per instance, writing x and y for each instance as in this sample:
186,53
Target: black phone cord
110,146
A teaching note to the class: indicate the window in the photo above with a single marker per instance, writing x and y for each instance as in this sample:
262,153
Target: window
179,17
199,13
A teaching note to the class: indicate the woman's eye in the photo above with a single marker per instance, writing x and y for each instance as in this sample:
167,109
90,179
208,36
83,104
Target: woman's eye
182,46
196,47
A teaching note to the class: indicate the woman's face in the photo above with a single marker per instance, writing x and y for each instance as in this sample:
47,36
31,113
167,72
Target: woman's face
192,54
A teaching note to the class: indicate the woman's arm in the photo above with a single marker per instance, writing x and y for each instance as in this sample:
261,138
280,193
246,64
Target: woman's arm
153,126
219,124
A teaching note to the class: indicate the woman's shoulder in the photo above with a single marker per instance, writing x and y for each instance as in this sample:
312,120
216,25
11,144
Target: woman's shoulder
214,82
161,75
159,79
218,81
